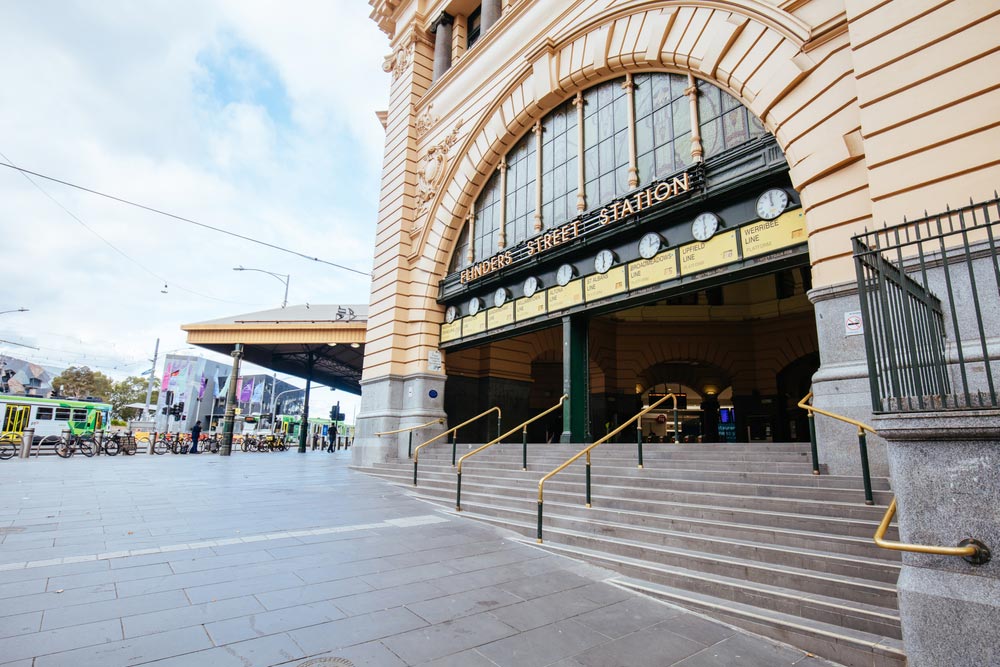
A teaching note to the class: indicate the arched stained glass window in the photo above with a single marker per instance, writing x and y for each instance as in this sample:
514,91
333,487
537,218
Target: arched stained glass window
663,131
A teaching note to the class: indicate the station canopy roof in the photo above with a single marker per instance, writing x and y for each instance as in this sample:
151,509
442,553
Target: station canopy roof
285,339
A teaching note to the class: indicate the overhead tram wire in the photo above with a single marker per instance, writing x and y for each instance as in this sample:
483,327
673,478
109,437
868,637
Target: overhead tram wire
111,245
181,218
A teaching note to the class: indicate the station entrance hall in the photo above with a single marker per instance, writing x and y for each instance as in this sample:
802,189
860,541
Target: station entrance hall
578,274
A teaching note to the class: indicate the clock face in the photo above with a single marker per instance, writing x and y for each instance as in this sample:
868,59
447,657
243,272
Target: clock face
475,305
500,297
451,314
772,203
531,286
604,261
649,245
705,226
565,274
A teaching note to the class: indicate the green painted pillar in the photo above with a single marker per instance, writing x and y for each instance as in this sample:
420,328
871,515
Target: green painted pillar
576,379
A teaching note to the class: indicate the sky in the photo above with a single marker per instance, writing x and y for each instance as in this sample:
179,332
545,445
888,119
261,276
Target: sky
257,117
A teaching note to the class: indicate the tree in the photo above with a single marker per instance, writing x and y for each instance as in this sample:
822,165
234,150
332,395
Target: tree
81,382
130,390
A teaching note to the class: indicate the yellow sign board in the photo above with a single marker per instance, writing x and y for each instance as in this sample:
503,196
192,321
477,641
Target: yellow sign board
602,285
528,307
787,229
474,324
451,331
717,251
661,268
498,317
564,297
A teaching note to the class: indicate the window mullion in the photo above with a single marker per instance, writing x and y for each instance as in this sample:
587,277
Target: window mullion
692,93
472,236
538,175
581,199
633,168
502,241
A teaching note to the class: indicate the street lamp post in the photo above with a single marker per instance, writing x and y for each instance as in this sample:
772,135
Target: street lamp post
283,277
15,310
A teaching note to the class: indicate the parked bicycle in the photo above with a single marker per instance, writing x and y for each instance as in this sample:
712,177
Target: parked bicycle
112,443
10,443
65,447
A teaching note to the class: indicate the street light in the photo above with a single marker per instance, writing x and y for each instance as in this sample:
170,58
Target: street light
16,310
283,277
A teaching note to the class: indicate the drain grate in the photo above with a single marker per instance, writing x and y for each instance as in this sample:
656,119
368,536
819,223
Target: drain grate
326,662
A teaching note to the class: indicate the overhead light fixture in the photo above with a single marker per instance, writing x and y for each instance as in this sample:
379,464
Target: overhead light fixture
355,345
332,344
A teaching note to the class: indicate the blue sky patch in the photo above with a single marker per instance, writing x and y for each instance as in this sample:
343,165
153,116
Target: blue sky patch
234,72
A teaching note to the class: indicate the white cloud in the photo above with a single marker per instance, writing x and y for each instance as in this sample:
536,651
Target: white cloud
113,96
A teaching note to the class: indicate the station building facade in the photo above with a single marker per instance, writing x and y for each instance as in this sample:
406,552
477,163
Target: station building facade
619,200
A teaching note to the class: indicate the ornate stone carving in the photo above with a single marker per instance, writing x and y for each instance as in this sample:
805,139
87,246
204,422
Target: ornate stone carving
425,121
397,61
432,169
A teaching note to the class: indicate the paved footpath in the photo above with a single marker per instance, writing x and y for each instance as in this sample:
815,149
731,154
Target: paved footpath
291,559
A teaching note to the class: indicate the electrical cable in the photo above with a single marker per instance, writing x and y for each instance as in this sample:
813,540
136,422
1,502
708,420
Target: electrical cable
181,218
25,172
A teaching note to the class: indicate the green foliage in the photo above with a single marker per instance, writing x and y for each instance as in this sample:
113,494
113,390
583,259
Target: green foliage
130,390
81,382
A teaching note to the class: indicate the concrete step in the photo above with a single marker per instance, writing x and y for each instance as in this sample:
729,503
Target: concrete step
853,509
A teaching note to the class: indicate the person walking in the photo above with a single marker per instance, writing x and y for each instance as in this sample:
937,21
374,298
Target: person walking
333,437
195,436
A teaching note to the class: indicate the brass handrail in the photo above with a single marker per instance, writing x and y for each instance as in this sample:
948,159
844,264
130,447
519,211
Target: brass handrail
586,450
866,476
439,420
970,549
524,448
416,452
411,429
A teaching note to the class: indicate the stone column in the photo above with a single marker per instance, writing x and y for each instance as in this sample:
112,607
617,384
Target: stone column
945,469
489,14
442,29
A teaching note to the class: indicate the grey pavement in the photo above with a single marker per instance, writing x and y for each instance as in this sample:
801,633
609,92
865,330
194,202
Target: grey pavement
294,559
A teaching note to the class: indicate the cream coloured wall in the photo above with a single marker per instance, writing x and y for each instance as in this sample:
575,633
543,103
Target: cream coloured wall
801,66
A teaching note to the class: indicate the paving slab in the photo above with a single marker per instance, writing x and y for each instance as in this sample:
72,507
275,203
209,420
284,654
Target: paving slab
287,559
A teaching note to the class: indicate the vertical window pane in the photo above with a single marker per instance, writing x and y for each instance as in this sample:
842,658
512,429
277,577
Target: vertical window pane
734,128
711,137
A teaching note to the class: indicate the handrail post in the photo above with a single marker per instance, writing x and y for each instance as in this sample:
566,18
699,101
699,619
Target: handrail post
865,474
677,424
414,472
539,534
638,431
812,441
524,448
409,447
588,479
454,446
458,492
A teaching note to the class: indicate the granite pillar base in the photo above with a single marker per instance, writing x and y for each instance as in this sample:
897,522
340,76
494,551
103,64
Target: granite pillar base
945,471
394,402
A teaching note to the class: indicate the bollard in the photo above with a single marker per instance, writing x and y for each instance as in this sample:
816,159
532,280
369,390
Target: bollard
27,438
152,443
98,441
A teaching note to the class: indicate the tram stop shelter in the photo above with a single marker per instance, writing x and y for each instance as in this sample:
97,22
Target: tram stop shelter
322,343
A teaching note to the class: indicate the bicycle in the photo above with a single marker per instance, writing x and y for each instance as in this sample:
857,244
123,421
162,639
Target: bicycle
113,443
66,447
10,443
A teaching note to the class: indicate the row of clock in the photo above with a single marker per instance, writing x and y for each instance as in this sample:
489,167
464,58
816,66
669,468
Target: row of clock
770,205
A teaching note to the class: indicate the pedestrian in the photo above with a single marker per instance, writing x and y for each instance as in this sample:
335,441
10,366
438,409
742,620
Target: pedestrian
195,436
315,441
333,437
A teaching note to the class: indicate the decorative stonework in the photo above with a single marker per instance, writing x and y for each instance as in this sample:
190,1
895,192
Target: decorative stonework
431,173
425,121
397,61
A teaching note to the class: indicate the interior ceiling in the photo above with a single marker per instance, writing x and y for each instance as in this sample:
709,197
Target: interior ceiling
337,367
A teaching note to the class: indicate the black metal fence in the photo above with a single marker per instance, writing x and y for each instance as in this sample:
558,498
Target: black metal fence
930,294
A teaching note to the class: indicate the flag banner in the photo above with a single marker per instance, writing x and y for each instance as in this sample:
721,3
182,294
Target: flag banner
165,384
179,378
201,387
246,391
258,393
224,389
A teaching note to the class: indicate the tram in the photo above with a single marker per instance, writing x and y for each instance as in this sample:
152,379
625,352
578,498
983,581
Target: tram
50,416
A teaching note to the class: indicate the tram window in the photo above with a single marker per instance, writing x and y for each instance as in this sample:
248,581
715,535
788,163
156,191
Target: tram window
44,414
80,415
62,414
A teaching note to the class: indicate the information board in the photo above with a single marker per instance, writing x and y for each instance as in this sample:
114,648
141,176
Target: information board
451,331
601,285
474,324
502,316
717,251
787,229
528,307
564,297
659,269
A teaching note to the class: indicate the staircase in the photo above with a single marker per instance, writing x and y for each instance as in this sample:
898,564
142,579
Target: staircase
744,533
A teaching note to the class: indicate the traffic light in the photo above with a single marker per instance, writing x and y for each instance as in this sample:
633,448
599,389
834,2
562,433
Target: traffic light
335,414
169,400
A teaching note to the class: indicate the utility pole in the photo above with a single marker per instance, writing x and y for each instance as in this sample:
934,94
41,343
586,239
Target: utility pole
227,422
152,379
